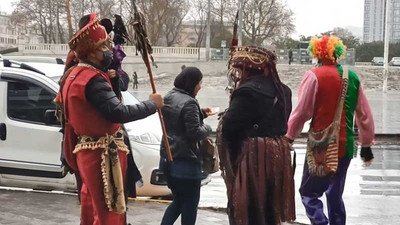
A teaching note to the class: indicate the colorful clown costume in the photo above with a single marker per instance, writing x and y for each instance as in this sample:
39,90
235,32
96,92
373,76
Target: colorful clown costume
318,95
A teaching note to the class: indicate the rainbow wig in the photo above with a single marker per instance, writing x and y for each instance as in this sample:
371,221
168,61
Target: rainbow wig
327,47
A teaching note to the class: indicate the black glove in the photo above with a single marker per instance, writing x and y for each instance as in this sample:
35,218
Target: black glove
366,154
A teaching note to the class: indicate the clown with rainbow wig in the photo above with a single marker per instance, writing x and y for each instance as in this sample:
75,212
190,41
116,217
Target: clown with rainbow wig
317,100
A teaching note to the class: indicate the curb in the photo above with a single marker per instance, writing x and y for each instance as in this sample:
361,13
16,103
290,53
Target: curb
305,135
214,209
158,76
150,200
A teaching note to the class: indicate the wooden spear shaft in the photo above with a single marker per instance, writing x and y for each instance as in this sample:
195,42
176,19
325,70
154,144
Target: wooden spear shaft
153,87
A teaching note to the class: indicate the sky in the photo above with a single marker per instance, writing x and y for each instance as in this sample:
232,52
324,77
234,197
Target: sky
316,16
5,6
311,16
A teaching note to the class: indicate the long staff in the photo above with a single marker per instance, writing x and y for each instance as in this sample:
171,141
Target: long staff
142,44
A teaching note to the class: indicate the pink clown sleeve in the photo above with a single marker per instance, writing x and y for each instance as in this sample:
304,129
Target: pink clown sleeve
305,107
364,120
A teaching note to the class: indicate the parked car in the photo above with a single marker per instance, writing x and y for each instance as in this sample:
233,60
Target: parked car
377,61
35,59
30,140
395,61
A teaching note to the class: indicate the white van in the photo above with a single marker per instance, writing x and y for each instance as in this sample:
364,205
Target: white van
30,141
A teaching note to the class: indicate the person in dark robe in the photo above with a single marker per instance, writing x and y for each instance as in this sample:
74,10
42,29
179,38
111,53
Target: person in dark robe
254,153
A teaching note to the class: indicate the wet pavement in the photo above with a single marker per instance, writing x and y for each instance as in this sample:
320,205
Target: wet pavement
385,106
372,194
43,208
372,197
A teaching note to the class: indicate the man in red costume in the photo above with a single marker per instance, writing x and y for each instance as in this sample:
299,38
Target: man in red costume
93,142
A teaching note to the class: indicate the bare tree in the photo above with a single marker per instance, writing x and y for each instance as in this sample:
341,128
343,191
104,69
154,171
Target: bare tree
155,12
69,18
176,12
266,20
35,13
51,16
199,16
221,9
105,8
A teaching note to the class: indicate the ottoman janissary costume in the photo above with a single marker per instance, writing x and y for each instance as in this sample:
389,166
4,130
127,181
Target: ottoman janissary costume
254,153
93,141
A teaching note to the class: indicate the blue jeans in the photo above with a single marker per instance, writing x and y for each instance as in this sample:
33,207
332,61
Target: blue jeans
312,188
186,194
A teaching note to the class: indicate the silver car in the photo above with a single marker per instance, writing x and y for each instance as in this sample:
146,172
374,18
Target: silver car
395,61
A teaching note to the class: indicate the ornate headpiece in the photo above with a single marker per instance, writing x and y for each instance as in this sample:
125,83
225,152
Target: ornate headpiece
327,47
252,57
88,38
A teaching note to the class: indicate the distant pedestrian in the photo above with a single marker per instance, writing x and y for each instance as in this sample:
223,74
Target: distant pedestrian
332,117
135,80
290,54
183,67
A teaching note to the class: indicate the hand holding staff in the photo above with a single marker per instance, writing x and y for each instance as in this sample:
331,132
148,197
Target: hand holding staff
143,46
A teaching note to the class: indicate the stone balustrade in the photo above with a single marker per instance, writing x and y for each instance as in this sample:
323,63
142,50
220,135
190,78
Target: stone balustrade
61,50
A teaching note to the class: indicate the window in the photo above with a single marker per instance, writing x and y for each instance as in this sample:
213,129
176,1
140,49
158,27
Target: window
28,102
396,27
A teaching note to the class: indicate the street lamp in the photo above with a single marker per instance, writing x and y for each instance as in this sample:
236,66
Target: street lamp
386,49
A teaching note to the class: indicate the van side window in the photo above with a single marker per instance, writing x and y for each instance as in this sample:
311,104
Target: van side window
28,102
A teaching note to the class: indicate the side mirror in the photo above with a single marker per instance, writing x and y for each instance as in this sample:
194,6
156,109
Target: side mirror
50,117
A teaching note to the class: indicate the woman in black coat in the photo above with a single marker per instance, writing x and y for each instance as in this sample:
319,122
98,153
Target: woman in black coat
184,123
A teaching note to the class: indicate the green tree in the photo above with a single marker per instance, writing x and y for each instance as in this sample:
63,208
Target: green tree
305,38
365,52
286,43
347,37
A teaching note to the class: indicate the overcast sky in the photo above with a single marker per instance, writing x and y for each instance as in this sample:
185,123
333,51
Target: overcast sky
316,16
311,16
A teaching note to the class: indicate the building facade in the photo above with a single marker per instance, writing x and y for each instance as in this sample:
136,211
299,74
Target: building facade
8,35
374,20
11,35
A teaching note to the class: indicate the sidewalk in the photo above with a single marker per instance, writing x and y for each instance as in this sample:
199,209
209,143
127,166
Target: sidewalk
39,208
371,195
